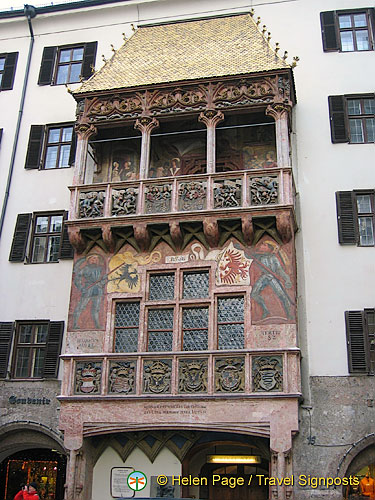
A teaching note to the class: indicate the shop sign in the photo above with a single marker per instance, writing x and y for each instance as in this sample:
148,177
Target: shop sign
14,400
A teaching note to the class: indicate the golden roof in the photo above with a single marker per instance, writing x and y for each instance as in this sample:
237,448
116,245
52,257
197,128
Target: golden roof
187,50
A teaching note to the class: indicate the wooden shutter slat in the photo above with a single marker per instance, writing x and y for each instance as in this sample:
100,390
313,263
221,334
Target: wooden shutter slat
89,59
51,360
358,353
47,66
346,218
73,147
337,114
329,31
66,249
6,334
9,71
20,236
34,148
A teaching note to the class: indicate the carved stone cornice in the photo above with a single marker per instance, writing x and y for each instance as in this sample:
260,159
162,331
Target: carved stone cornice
211,231
142,236
211,117
176,234
278,110
108,237
284,225
247,229
146,124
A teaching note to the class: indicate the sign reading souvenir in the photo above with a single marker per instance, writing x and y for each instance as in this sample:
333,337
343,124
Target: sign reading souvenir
119,482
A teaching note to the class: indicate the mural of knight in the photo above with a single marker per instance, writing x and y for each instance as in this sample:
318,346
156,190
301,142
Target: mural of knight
182,339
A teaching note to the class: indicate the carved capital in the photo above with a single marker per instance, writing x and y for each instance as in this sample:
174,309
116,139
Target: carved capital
142,236
211,231
247,229
278,111
211,117
176,235
85,131
76,239
284,225
108,238
146,124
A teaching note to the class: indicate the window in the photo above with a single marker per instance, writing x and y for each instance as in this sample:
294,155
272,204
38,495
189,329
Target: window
8,63
67,64
360,333
51,146
49,239
176,312
356,217
352,119
35,348
348,31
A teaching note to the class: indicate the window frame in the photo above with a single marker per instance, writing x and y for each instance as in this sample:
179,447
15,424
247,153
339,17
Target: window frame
340,118
354,29
348,216
32,346
69,63
9,70
362,116
371,194
47,235
59,144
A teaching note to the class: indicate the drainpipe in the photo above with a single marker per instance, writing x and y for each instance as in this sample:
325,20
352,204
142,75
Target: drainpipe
30,13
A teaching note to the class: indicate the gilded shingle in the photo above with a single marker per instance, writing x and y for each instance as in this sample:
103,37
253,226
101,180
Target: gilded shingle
187,50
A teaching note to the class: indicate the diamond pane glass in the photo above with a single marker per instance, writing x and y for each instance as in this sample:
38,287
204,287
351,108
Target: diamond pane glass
161,287
160,341
126,340
160,319
196,285
231,336
230,309
195,329
126,323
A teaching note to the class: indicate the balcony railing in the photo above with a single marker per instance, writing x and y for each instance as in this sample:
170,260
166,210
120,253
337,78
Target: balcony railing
133,375
256,189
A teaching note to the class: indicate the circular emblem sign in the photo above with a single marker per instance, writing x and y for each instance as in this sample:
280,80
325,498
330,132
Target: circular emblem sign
137,480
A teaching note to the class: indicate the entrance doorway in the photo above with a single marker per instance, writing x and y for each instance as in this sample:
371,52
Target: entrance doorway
220,479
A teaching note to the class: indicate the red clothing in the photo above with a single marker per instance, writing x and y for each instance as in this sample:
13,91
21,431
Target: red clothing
19,496
30,496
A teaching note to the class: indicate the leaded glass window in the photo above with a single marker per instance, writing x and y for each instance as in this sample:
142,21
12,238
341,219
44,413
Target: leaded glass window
195,328
126,326
196,285
160,330
161,286
230,320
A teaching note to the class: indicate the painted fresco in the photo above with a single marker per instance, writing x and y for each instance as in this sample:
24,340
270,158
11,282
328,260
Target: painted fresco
115,163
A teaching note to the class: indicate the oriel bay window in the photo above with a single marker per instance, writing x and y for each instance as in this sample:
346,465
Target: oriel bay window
180,314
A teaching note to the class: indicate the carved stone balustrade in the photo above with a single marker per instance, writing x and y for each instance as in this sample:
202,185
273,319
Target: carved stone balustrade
267,373
235,190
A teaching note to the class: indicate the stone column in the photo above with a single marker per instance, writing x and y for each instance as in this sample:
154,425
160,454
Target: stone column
211,118
146,124
280,113
84,132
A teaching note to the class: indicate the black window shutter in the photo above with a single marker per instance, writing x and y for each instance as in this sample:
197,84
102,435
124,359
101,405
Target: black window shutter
89,59
346,218
66,249
339,131
329,33
6,333
1,134
73,147
47,66
21,233
9,71
51,360
34,149
358,353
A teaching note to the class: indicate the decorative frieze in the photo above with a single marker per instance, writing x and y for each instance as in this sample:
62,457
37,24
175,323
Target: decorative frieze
91,204
192,375
267,373
116,107
227,193
88,377
192,196
230,374
124,201
158,198
264,190
157,376
122,377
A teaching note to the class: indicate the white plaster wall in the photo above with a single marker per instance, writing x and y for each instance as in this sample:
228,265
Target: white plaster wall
165,463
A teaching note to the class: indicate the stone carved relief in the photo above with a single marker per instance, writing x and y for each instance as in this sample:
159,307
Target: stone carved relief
227,193
122,376
117,107
264,190
88,377
192,375
157,376
192,196
91,204
267,373
230,374
180,99
124,201
158,198
244,92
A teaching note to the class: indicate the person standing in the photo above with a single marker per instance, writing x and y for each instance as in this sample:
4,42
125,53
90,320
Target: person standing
31,492
19,495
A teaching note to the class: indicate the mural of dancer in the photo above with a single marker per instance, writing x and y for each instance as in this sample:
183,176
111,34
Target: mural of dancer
271,261
90,279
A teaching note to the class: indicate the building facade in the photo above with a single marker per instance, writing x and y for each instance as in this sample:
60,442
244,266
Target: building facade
190,250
